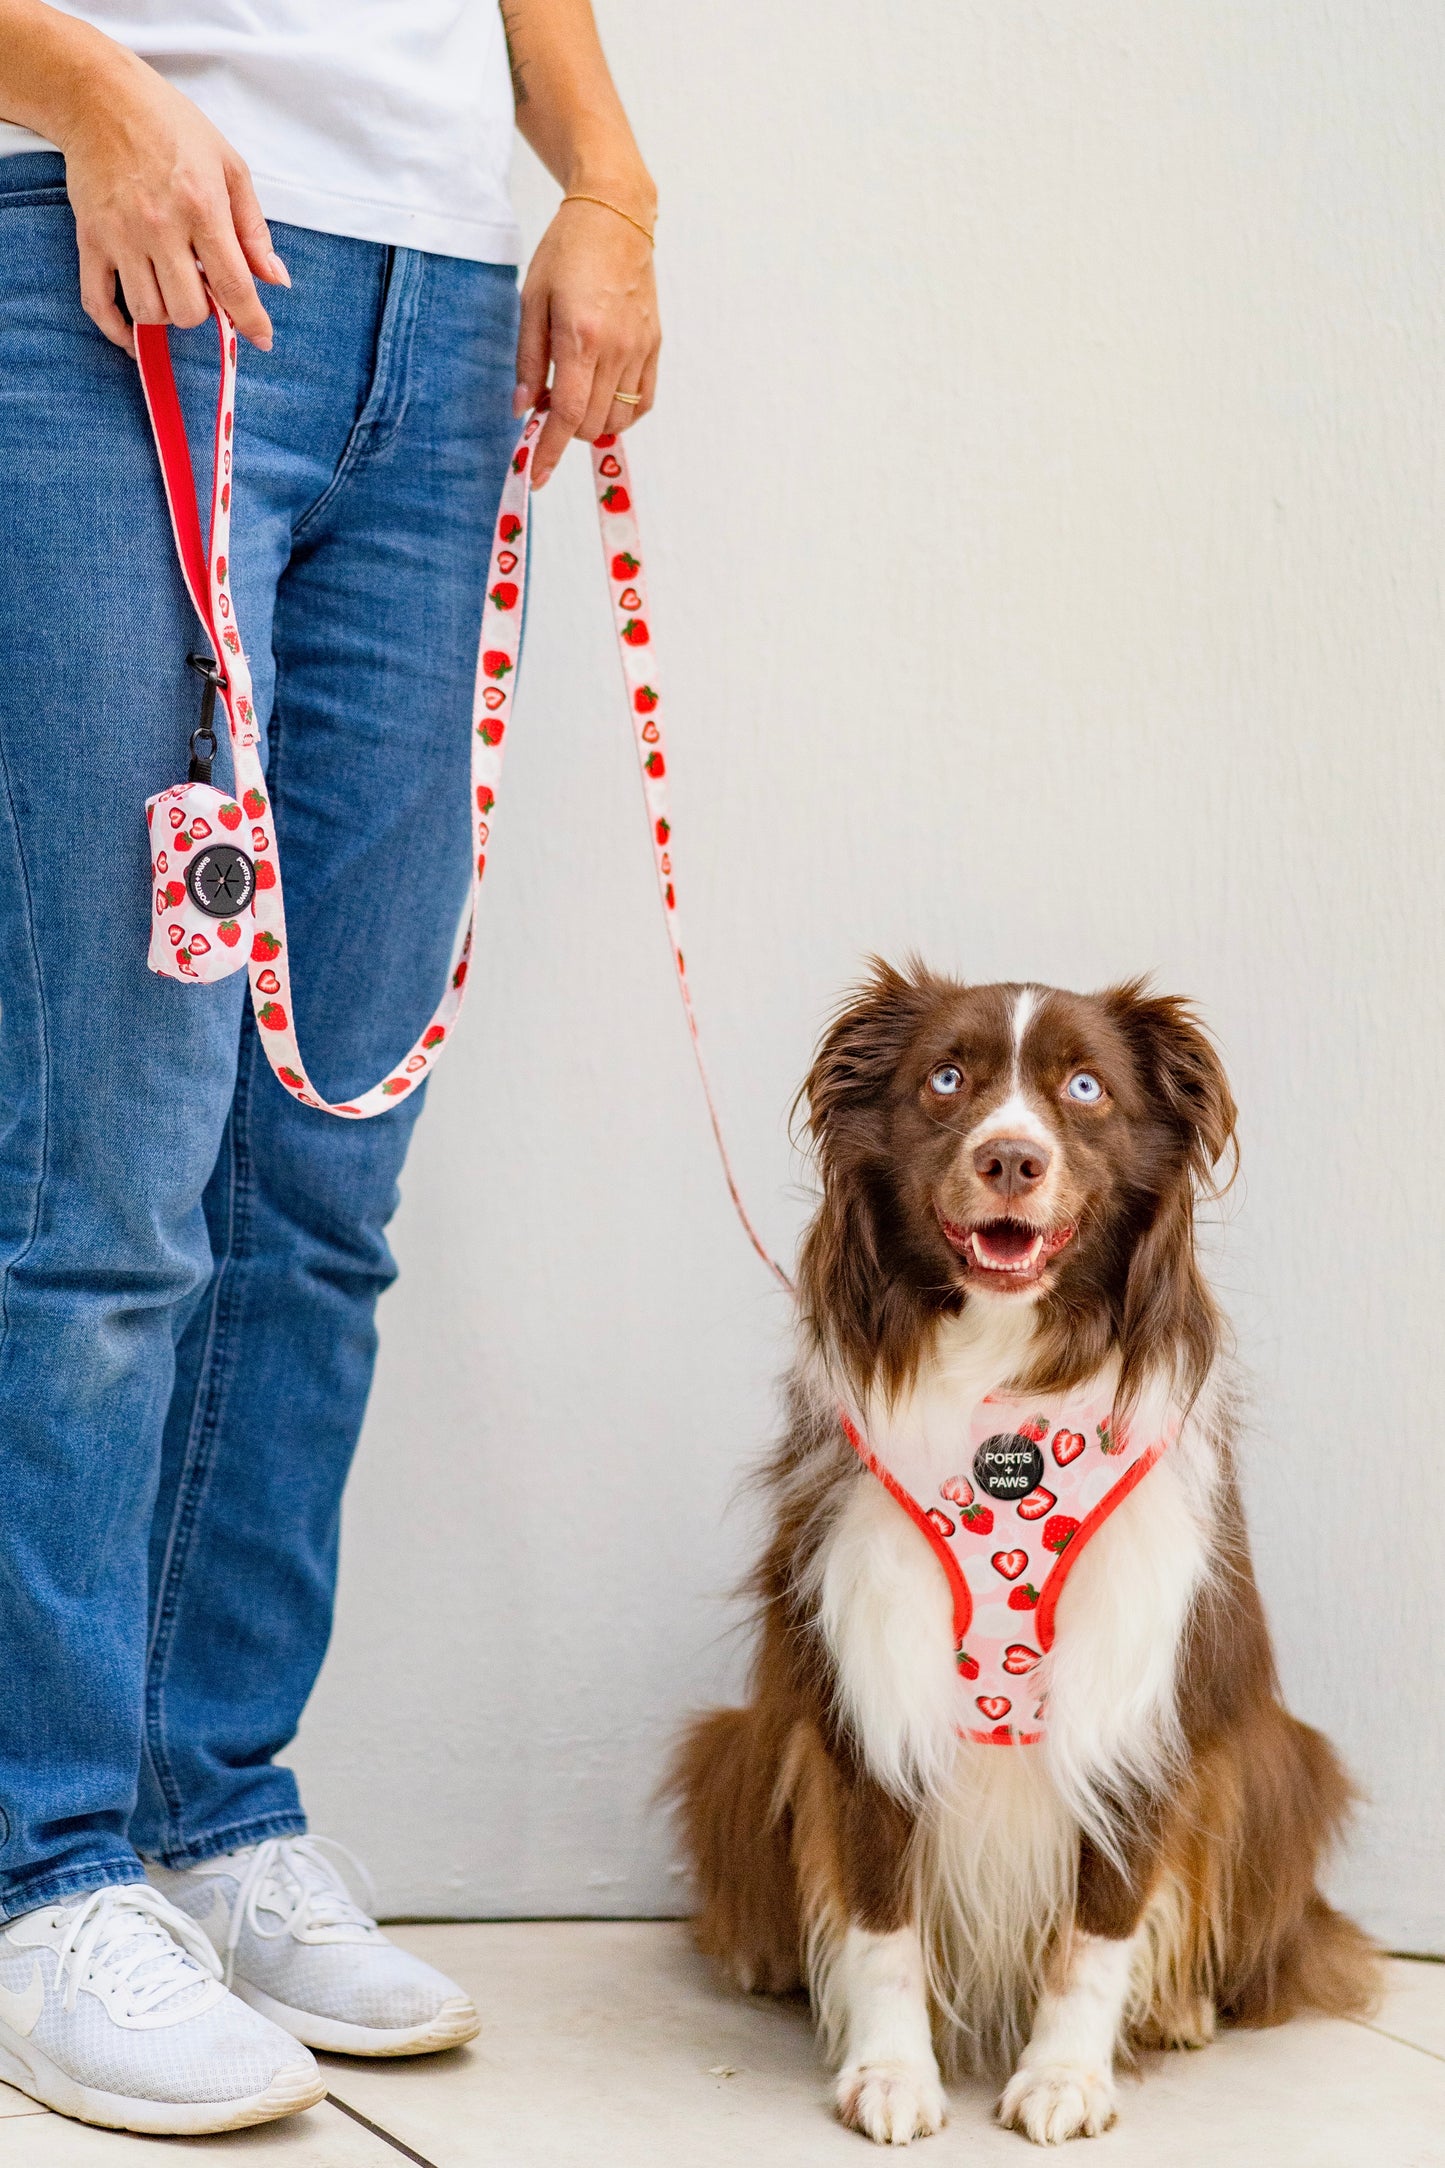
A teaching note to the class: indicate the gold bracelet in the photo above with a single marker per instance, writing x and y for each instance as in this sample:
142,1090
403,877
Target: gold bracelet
606,206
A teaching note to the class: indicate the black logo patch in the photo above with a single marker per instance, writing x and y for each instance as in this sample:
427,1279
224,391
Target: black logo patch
222,880
1008,1466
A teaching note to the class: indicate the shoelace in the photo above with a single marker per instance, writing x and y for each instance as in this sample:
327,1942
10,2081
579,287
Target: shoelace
138,1936
292,1879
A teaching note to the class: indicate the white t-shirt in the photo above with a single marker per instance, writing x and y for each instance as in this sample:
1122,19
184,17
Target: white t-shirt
390,120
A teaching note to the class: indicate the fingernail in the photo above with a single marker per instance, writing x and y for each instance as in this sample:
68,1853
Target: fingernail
278,270
541,476
521,400
263,345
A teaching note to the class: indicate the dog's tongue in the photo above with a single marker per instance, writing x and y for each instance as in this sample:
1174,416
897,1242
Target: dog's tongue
1006,1243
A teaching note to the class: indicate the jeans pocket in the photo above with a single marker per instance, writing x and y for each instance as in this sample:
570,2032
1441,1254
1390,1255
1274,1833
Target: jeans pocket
32,180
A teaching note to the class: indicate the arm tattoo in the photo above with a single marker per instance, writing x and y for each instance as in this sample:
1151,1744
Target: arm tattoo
518,66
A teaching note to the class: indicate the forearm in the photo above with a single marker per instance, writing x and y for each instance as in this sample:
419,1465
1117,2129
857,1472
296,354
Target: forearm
567,106
53,68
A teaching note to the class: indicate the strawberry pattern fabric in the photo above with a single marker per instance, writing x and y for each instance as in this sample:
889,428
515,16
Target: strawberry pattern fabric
203,880
1035,1481
207,949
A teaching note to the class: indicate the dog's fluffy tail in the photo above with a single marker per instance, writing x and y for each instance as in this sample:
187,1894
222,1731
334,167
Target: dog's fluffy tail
1244,1921
1289,1949
724,1785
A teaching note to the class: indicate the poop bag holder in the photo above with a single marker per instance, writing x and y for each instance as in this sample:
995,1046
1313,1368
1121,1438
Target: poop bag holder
206,865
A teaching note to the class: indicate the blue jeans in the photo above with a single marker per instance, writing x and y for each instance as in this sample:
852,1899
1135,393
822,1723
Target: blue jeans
189,1261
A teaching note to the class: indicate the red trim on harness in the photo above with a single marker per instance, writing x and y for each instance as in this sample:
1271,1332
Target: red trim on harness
1049,1593
962,1600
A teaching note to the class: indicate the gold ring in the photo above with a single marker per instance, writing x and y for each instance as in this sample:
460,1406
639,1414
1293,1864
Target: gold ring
628,398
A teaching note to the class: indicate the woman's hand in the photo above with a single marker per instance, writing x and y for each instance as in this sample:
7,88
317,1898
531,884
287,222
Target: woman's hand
589,305
157,194
153,185
589,309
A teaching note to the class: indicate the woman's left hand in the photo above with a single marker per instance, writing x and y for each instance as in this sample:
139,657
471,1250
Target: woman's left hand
589,310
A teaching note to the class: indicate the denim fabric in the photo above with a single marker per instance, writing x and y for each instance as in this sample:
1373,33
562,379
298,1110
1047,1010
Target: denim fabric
189,1261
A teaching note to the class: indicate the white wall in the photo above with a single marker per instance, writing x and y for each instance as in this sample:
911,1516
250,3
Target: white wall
1045,517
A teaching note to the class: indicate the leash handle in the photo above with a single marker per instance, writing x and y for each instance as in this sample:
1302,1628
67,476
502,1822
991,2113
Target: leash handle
205,569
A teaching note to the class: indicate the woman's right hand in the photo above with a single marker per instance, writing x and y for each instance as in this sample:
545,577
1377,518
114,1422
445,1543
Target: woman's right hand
153,185
157,192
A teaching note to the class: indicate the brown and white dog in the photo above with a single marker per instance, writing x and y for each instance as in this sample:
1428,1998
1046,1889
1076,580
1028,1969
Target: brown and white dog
1009,1180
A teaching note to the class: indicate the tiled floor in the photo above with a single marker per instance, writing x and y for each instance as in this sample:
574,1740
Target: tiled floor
613,2046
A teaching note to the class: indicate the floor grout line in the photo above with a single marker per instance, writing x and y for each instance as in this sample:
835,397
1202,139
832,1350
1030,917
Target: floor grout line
376,2130
1399,2039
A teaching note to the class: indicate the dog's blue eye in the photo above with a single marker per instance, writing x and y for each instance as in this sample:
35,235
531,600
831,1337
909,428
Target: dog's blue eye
1085,1088
947,1080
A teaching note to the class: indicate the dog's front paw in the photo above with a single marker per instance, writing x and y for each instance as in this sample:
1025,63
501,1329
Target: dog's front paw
1055,2101
891,2103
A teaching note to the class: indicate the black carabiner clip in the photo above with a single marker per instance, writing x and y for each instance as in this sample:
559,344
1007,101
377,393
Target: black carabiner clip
210,673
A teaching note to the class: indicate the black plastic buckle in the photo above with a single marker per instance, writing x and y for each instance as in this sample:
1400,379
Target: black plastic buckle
214,682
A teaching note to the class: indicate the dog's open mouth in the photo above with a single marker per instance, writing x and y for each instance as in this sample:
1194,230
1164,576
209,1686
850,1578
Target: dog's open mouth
1008,1252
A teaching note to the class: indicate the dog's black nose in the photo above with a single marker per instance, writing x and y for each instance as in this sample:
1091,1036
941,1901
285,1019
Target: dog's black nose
1011,1166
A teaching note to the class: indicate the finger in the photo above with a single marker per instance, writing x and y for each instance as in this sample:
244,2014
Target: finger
571,395
251,230
647,385
532,351
604,410
229,277
98,298
179,278
142,294
626,411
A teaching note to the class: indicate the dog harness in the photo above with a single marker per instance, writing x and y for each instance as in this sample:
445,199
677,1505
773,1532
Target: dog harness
1036,1481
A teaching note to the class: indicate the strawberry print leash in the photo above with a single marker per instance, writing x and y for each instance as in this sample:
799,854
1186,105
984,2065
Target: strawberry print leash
626,584
195,829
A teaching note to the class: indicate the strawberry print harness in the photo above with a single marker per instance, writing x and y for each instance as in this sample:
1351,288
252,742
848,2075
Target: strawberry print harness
1036,1481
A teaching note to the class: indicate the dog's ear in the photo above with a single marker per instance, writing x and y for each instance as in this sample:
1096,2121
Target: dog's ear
1180,1064
855,1299
1167,1304
857,1059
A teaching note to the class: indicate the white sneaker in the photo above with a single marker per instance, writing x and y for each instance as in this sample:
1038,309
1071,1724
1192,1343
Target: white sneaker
112,2010
298,1949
